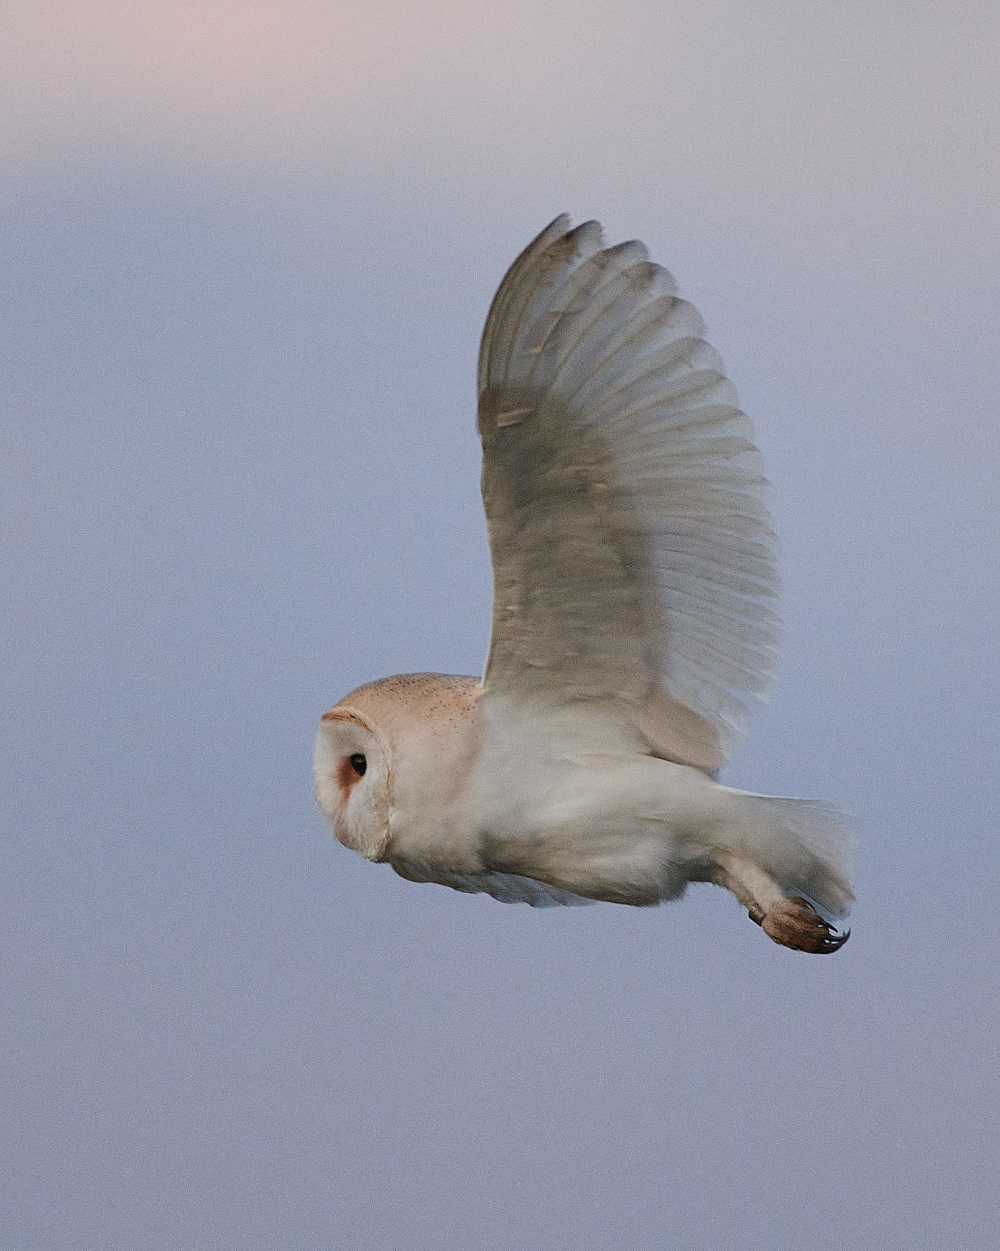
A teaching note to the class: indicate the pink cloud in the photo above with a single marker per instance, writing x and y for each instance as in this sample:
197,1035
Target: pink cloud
161,73
810,121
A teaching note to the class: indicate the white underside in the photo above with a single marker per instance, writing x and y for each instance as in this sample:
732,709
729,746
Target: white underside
570,800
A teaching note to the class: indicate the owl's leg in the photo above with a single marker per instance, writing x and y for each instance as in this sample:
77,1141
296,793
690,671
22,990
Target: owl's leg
789,920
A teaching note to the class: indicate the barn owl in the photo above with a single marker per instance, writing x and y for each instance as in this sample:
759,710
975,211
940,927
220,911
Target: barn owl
633,613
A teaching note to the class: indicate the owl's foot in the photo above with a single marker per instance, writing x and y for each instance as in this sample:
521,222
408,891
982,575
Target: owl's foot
795,923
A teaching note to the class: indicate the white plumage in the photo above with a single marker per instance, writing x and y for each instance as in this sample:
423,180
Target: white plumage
633,613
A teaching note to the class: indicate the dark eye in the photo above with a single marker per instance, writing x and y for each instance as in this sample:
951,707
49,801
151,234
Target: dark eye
359,764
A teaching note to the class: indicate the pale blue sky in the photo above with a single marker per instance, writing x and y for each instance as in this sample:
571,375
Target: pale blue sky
247,251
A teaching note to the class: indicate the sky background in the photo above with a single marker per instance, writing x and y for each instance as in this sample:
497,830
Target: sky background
246,252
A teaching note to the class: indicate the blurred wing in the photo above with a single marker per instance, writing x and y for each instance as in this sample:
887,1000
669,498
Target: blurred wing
633,556
504,887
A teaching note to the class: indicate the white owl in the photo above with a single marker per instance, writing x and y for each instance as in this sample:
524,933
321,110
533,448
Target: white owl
633,610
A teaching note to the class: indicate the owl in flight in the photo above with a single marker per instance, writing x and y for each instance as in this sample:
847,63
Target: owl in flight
633,613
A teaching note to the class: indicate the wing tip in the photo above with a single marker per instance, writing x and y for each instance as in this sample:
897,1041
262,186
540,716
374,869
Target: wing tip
557,227
587,238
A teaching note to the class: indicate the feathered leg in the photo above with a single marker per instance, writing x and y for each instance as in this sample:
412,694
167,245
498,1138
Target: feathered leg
789,920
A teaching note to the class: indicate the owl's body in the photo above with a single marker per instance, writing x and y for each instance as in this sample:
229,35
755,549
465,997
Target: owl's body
633,564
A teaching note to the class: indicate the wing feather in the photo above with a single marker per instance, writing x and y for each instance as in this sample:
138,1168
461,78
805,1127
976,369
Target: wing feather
504,887
632,548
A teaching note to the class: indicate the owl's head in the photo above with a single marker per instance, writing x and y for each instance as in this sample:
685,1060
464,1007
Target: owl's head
393,751
353,779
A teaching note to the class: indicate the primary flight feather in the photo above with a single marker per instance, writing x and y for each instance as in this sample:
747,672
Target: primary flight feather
633,613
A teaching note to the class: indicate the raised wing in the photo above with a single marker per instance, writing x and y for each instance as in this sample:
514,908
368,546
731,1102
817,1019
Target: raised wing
633,555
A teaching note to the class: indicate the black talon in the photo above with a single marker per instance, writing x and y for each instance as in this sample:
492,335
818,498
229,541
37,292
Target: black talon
835,941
